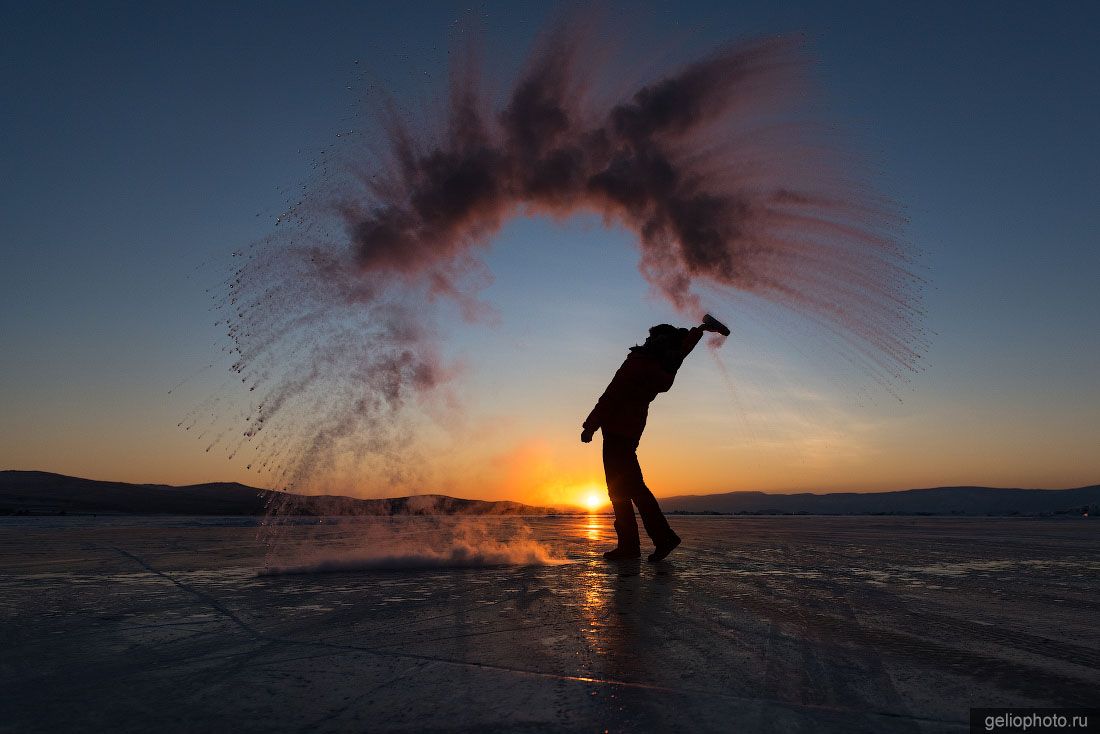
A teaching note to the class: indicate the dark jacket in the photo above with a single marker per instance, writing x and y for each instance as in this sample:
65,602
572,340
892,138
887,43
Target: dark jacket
624,405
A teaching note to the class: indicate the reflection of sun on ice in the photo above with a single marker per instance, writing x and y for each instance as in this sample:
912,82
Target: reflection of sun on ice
593,498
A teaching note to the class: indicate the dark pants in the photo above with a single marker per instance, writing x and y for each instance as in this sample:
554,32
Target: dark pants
625,485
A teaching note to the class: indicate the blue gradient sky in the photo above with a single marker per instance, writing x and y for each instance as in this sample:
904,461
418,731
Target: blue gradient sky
139,143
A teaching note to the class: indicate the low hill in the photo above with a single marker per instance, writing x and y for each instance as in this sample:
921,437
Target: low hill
933,501
43,493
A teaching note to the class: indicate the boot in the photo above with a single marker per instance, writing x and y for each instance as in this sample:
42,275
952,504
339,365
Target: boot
622,554
712,324
663,548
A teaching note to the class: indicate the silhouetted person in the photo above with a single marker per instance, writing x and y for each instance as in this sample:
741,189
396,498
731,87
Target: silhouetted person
621,414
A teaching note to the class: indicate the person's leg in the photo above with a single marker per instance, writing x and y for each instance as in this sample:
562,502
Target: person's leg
626,528
617,455
656,524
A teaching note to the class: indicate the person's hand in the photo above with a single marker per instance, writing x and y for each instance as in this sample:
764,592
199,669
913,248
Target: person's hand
586,435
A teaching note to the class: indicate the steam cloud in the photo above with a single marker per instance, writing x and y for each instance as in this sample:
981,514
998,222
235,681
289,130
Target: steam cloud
720,169
444,545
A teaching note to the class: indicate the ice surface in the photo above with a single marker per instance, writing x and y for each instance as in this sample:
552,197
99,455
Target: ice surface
754,624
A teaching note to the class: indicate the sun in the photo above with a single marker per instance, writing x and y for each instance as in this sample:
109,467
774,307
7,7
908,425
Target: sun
593,500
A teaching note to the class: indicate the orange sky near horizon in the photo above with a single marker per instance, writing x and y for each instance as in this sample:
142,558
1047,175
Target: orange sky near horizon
779,431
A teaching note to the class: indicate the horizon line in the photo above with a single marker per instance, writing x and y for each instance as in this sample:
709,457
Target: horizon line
670,496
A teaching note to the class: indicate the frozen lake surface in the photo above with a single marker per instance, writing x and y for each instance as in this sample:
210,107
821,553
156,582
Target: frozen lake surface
753,625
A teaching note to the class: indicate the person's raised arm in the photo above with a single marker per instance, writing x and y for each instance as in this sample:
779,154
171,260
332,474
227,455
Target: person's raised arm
694,334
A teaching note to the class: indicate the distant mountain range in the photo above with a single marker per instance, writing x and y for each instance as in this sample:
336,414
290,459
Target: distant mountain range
43,493
934,501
